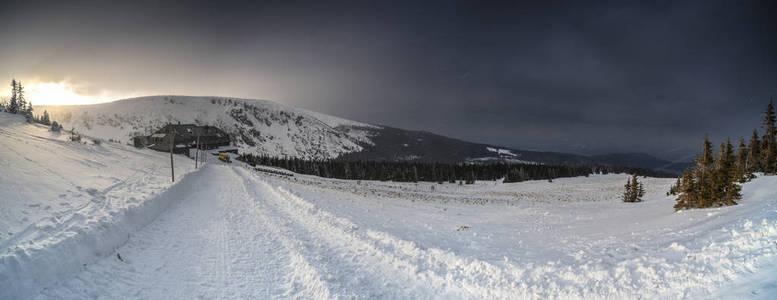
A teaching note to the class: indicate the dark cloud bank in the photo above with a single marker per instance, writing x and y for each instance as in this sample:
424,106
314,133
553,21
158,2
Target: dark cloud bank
568,76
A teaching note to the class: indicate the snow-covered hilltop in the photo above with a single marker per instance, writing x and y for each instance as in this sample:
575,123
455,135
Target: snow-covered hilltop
264,127
256,126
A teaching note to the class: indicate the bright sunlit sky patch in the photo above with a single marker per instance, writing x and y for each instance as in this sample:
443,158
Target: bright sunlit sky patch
61,93
56,93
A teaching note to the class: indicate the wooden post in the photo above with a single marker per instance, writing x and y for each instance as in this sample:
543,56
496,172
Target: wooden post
172,143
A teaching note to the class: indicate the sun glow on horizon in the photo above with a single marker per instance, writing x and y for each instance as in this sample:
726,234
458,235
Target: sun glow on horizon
56,93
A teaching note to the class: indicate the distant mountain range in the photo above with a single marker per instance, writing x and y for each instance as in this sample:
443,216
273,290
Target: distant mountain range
267,128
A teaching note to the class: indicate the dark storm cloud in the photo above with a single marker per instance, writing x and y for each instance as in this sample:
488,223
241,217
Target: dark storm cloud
565,76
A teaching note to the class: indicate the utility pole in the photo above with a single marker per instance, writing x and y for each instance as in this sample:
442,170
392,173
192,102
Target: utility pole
172,142
197,156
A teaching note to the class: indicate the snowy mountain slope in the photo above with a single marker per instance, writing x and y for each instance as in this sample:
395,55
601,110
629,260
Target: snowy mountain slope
256,126
268,128
63,203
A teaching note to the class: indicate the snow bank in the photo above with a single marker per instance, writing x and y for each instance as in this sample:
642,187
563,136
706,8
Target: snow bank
64,204
27,267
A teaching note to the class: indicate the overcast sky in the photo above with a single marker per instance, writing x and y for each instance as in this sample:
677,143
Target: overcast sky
555,75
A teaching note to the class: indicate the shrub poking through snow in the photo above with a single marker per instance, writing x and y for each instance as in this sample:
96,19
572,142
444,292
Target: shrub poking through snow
55,127
74,136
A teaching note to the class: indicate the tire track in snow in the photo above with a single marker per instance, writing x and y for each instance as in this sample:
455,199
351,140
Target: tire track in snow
423,271
304,280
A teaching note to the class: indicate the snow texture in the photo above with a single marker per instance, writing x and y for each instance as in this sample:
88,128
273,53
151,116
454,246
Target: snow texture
64,204
229,231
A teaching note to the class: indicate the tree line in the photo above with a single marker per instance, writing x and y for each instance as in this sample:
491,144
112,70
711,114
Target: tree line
19,105
716,177
435,172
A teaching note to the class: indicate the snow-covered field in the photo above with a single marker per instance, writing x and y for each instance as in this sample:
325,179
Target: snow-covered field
227,231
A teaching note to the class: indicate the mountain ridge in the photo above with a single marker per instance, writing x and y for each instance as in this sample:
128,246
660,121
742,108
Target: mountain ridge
264,127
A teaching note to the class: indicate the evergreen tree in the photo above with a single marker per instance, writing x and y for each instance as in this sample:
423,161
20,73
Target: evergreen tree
640,190
13,106
633,190
742,174
715,181
754,153
675,188
704,173
45,119
21,102
770,141
725,176
688,191
627,191
28,113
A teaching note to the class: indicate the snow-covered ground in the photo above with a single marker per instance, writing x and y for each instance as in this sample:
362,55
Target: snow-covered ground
233,232
66,203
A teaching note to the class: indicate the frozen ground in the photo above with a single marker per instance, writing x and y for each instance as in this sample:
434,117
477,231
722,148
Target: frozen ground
232,232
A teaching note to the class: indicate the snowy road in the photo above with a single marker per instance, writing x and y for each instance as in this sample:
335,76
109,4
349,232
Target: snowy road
234,236
214,243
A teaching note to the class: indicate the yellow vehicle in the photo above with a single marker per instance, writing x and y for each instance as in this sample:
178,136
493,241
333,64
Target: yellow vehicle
224,157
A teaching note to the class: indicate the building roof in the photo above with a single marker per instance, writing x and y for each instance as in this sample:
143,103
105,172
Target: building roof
191,129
